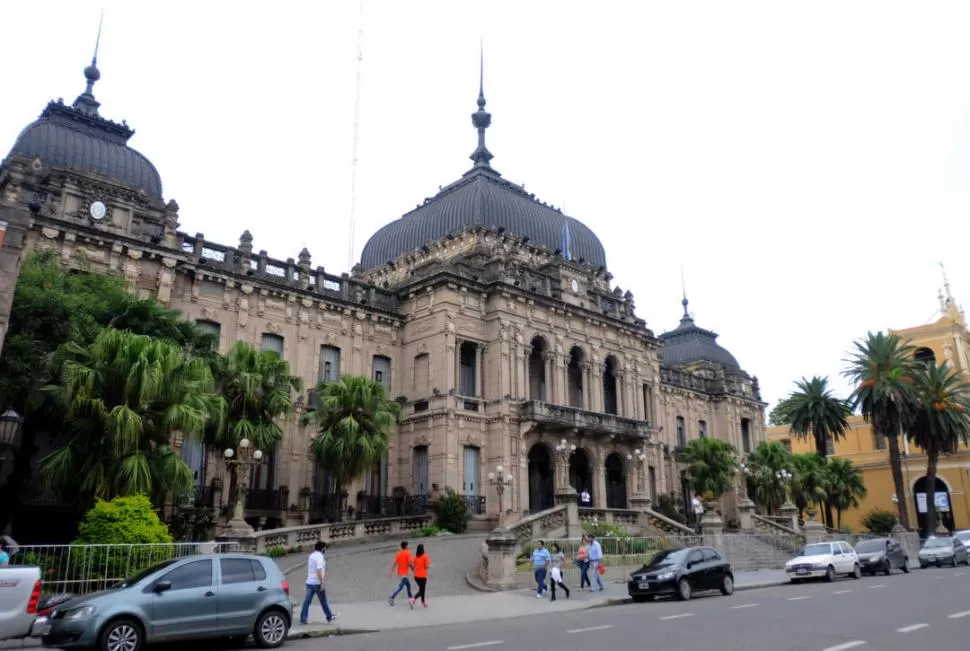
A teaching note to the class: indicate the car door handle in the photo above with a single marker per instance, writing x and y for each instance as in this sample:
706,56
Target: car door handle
210,593
261,588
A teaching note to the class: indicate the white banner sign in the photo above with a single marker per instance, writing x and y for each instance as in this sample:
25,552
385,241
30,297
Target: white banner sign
941,500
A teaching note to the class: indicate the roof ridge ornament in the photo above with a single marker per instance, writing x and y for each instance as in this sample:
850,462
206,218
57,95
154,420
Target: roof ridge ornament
85,102
481,119
687,318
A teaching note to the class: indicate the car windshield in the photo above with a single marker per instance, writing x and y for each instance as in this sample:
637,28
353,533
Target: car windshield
668,558
869,546
140,576
817,550
964,536
937,543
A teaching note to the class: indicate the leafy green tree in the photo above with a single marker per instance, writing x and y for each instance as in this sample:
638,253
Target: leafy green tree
124,396
941,422
122,521
881,370
354,419
846,486
761,473
711,465
778,416
810,481
813,411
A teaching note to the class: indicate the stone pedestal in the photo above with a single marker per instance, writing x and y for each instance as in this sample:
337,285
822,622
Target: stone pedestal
712,526
941,530
813,530
746,510
790,511
237,526
641,504
568,497
501,546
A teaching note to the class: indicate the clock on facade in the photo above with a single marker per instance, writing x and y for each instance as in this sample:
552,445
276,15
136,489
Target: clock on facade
98,210
575,286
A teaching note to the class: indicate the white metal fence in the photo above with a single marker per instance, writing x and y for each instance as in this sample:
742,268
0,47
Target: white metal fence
80,569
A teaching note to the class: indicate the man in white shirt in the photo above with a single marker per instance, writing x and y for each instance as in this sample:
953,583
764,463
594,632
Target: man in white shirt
316,574
585,499
698,511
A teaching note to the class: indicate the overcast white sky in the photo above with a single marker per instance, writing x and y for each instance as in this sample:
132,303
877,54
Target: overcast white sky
807,163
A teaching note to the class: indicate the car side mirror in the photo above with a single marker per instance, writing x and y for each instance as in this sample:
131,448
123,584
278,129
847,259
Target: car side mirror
688,566
163,586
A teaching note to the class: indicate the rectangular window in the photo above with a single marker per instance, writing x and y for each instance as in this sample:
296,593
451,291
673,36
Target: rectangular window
382,370
467,367
878,440
702,429
681,433
653,484
648,403
210,328
3,232
329,364
422,371
271,342
420,470
745,435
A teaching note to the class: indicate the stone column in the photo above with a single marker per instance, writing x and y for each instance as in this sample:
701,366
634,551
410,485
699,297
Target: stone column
479,371
813,530
501,546
552,382
712,526
746,510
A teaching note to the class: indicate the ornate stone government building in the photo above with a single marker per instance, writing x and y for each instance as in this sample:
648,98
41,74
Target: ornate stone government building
489,315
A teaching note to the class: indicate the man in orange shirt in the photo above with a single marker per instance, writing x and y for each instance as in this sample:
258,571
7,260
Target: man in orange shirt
402,563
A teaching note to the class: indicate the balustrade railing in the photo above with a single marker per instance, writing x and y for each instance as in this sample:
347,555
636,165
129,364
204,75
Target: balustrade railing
476,504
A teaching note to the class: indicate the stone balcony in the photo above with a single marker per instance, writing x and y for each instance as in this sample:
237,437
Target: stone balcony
561,418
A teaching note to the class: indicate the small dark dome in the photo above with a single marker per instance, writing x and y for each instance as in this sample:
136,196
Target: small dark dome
91,73
482,198
688,343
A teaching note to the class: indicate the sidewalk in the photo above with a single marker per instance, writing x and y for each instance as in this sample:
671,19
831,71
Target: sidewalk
378,616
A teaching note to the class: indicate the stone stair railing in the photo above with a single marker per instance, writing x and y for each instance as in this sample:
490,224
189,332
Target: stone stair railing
303,538
775,533
660,522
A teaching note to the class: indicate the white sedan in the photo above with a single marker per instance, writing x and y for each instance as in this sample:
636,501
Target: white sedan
826,559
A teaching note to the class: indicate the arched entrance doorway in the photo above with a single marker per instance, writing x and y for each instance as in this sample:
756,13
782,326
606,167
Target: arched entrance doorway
541,490
921,497
615,482
581,475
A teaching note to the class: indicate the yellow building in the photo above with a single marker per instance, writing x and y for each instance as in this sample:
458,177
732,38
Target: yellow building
946,339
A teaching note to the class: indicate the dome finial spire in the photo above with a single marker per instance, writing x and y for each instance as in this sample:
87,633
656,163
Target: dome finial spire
85,101
683,289
481,119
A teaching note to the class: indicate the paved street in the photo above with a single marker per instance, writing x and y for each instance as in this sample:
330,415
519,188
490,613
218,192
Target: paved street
925,609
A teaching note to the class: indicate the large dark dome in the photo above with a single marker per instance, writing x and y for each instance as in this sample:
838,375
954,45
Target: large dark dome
77,137
483,198
688,343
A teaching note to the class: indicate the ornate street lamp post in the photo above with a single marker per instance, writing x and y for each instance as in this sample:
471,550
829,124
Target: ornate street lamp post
640,458
11,427
785,478
238,462
500,480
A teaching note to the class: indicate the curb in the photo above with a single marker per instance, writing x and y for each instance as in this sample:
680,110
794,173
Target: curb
323,631
620,601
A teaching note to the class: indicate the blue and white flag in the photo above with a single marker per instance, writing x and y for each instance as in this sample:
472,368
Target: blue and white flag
566,242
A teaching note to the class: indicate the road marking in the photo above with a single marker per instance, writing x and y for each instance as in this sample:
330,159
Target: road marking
958,574
743,606
877,586
847,645
842,591
474,646
804,596
911,628
591,628
680,616
965,613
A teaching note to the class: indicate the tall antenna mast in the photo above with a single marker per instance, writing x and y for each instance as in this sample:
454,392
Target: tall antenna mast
353,172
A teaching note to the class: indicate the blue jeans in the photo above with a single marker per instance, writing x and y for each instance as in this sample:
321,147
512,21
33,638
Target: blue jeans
540,573
313,590
595,565
404,584
584,574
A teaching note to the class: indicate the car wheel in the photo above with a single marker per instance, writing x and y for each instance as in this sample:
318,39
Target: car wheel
905,567
830,574
684,590
953,561
121,635
271,629
889,567
727,585
857,572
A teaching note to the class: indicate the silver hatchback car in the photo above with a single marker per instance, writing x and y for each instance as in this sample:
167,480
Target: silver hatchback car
228,596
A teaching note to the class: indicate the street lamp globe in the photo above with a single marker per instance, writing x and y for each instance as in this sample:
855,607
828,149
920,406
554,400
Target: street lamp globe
258,455
499,470
491,476
244,444
10,427
562,442
228,453
508,479
629,457
572,448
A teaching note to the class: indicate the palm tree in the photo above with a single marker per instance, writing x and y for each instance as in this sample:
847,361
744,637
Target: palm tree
124,396
881,370
941,422
845,486
354,418
810,481
149,317
761,469
258,391
711,465
813,411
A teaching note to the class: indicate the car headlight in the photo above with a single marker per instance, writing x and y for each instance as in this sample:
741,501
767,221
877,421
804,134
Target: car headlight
80,613
878,557
666,576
